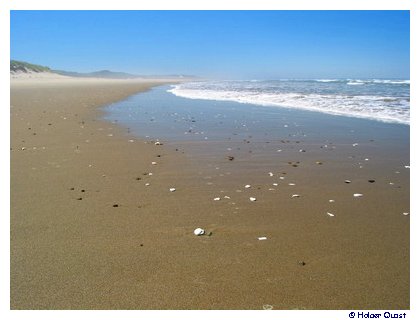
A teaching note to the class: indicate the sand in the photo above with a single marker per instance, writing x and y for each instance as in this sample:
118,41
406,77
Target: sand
87,233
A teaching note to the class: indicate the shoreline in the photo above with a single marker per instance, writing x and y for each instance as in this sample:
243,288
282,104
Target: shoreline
142,254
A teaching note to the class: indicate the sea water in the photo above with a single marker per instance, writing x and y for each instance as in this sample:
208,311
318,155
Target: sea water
386,100
209,122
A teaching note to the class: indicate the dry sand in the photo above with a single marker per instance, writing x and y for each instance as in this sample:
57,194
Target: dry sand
125,245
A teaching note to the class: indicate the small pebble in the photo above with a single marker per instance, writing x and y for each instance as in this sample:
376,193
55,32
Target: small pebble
115,205
347,181
371,181
199,232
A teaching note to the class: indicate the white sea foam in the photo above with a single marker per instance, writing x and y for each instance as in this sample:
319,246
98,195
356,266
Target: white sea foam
372,106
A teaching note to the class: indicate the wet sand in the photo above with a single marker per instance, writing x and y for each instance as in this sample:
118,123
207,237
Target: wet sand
125,245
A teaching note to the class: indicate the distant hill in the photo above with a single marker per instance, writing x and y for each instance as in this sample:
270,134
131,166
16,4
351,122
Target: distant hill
19,67
25,67
98,74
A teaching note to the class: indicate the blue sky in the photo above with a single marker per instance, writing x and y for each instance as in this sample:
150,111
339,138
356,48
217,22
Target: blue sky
219,44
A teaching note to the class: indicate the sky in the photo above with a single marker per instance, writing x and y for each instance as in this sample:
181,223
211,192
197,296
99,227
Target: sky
217,44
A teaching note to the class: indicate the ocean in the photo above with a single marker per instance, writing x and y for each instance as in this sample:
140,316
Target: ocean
375,99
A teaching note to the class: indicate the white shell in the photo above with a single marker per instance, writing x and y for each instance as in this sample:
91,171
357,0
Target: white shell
216,199
357,195
247,186
406,213
262,238
157,143
252,199
295,195
199,232
154,163
330,214
172,189
270,174
331,200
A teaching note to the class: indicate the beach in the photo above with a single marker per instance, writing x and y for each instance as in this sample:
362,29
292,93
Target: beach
94,224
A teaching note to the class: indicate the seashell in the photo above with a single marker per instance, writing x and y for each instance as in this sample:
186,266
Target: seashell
355,144
330,214
406,213
331,200
275,184
157,143
357,195
216,199
199,232
270,174
154,162
252,199
147,184
247,186
292,184
295,195
262,238
226,197
407,167
347,181
172,189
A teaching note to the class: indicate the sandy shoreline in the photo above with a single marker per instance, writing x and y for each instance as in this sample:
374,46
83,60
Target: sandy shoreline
125,245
